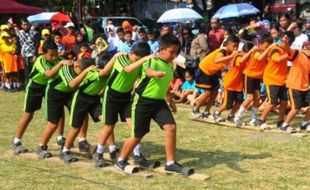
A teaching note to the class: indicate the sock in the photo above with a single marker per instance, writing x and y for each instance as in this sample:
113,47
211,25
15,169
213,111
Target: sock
82,139
217,113
240,112
14,84
7,85
65,150
112,148
17,140
303,123
254,113
100,148
195,109
285,124
170,162
59,137
120,159
18,85
136,150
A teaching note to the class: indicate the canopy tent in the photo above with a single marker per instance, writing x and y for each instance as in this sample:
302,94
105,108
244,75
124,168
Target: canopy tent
11,6
49,17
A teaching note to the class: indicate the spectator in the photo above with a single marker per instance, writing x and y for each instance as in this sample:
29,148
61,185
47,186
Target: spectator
199,46
284,22
69,40
216,35
300,38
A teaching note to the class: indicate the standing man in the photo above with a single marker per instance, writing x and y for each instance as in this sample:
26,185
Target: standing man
28,43
216,34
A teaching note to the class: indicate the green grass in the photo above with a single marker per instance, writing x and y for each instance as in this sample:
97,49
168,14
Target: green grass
234,158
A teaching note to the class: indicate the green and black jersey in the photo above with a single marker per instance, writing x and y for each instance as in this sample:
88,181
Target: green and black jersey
155,88
93,84
120,80
40,66
61,81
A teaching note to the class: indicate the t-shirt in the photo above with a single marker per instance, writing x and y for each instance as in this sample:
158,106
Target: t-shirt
275,72
299,41
298,77
208,65
255,68
154,45
125,47
188,85
233,79
69,41
40,66
93,83
61,81
155,88
120,80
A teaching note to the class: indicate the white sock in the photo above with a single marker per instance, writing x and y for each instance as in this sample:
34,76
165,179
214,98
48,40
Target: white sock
170,162
7,85
303,123
18,85
14,84
82,139
137,150
120,159
65,150
240,112
17,140
59,137
100,148
254,113
217,113
284,124
112,148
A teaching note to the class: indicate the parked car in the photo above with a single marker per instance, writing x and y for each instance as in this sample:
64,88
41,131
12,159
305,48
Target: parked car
117,21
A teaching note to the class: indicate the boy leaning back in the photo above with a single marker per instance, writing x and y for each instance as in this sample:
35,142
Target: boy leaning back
149,103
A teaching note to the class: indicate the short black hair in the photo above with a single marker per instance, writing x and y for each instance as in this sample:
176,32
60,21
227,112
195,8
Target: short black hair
247,46
120,29
141,30
24,20
128,32
168,40
103,60
233,38
290,35
84,44
49,45
86,62
57,33
266,38
141,49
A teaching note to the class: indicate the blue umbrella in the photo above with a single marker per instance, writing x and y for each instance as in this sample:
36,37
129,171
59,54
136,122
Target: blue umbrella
179,15
236,10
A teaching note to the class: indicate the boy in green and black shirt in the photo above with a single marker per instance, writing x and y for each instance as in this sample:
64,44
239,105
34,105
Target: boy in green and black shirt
45,67
149,103
59,91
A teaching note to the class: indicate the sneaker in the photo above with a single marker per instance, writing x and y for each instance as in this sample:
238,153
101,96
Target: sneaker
217,118
175,167
279,123
238,121
288,129
253,123
196,114
304,127
141,160
230,118
308,129
43,153
67,157
61,142
121,164
114,155
263,125
18,148
99,161
205,114
84,146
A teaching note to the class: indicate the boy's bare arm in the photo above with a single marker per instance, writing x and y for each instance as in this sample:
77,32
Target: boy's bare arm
247,55
107,69
74,83
156,74
265,53
171,103
131,67
226,58
52,72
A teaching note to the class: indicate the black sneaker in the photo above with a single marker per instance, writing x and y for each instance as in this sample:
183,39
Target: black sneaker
205,114
144,163
67,157
195,113
61,142
175,167
260,122
43,153
84,146
114,155
217,117
18,148
121,164
279,123
304,127
288,128
99,161
230,118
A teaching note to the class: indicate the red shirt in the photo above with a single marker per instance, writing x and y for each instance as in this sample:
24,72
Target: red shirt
216,38
69,41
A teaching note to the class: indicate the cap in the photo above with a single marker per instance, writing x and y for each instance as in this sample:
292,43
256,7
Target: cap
4,26
4,34
46,32
69,24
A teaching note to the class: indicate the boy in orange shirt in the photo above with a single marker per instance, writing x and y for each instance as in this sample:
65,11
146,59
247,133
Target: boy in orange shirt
298,87
274,78
253,74
233,86
208,77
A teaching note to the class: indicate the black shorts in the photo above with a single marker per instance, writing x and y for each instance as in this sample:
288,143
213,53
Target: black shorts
231,97
33,96
114,104
276,93
251,84
55,101
207,82
81,105
299,99
143,110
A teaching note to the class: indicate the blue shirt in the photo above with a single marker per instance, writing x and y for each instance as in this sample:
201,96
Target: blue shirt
187,85
154,45
125,47
61,47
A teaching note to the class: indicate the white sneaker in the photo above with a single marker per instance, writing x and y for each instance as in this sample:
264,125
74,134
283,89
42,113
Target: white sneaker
264,126
238,121
253,123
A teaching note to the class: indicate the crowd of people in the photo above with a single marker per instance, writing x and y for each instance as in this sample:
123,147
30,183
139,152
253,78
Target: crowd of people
132,73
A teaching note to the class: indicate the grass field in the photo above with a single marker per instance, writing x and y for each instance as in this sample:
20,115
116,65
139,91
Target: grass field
234,158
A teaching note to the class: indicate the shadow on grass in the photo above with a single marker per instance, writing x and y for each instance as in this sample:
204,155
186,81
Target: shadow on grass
206,159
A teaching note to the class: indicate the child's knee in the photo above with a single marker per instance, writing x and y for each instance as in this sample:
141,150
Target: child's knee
171,128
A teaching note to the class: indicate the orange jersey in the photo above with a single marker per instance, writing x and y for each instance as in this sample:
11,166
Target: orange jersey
233,79
208,65
255,68
275,72
298,77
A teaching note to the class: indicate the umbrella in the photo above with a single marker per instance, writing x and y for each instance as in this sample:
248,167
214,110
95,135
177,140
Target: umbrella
235,10
179,15
48,17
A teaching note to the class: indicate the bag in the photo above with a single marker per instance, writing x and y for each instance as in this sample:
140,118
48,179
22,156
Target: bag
191,62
